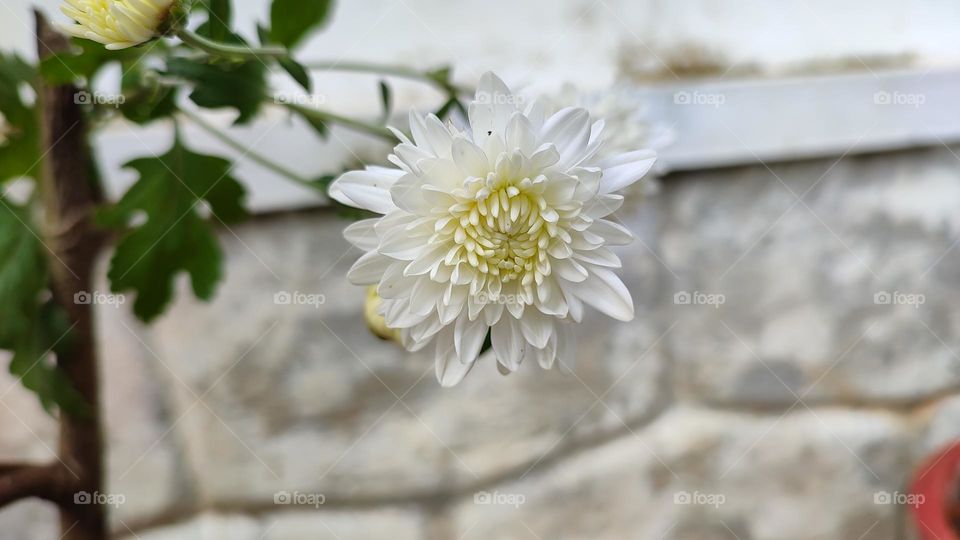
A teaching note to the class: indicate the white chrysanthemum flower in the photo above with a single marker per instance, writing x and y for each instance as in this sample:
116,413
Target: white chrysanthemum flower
499,227
118,24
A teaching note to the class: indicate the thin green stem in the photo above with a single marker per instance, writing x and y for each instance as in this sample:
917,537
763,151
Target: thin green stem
236,52
352,123
402,72
247,152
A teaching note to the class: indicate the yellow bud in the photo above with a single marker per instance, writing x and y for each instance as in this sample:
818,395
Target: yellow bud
375,321
120,24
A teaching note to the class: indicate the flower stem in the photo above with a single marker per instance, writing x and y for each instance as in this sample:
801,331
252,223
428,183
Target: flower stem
403,72
247,152
352,123
237,52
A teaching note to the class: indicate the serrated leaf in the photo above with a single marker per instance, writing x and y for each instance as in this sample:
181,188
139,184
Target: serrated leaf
19,126
30,327
241,86
292,20
174,238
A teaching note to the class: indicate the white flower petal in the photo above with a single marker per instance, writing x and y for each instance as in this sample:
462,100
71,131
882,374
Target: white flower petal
569,130
492,91
536,329
520,134
369,269
621,171
604,291
362,234
468,337
547,355
424,296
536,113
470,158
570,270
369,189
612,233
508,343
450,370
601,257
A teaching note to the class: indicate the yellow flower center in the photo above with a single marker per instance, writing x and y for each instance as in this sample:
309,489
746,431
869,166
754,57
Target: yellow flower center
503,231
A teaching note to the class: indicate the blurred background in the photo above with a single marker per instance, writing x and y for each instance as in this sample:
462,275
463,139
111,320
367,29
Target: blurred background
793,358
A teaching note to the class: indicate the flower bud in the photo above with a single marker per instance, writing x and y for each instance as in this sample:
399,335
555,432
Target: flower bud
375,320
120,24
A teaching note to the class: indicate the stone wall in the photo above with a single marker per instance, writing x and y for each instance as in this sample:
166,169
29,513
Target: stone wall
765,391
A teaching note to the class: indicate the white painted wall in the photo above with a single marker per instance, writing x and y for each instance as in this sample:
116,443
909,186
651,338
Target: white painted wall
656,47
545,42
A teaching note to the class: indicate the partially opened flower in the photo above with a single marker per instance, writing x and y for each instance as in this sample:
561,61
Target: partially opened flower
497,228
118,24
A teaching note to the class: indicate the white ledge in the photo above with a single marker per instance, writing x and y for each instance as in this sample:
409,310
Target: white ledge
739,122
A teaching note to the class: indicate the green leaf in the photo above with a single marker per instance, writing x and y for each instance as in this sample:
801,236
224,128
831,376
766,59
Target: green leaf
317,124
175,237
292,20
217,26
315,120
19,126
386,99
33,364
297,71
145,99
241,86
29,326
448,107
441,75
291,66
22,272
149,103
82,62
322,183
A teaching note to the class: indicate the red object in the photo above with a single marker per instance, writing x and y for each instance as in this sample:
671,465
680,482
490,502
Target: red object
935,490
